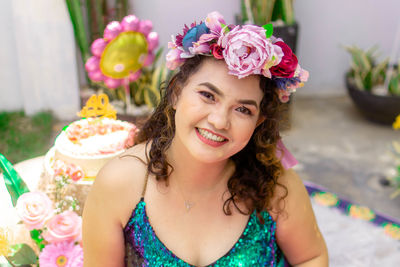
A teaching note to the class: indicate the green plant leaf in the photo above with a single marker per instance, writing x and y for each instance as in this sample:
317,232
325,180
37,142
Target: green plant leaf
394,85
36,236
14,183
22,255
269,30
139,95
151,96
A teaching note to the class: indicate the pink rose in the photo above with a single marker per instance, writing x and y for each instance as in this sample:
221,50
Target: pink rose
34,208
287,67
174,59
66,226
246,50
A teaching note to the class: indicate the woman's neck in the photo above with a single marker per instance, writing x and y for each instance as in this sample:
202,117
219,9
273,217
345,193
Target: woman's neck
196,177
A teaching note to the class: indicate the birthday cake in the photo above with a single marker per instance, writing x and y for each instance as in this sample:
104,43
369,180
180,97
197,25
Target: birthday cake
80,151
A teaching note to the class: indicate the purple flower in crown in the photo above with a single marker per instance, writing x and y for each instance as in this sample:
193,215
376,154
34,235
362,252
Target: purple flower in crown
247,51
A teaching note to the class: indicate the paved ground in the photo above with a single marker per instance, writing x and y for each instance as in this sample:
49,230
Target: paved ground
340,150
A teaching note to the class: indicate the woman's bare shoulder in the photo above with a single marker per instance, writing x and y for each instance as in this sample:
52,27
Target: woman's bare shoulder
289,190
118,185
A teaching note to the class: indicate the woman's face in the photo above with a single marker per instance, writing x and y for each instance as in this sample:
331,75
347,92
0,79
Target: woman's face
216,113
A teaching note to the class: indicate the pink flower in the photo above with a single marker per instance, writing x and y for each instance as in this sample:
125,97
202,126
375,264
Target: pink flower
76,172
284,95
287,66
66,226
34,208
64,254
200,48
174,59
246,50
303,75
214,20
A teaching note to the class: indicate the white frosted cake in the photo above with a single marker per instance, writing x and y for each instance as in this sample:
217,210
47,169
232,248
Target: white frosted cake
81,150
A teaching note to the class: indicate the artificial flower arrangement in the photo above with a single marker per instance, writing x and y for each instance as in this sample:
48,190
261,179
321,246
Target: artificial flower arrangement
124,65
247,50
53,222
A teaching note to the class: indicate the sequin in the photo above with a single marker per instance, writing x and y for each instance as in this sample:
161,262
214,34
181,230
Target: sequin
256,246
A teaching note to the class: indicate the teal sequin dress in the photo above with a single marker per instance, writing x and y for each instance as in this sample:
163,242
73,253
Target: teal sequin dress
256,246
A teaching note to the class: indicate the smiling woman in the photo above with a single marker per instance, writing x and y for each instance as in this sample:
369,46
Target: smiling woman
206,184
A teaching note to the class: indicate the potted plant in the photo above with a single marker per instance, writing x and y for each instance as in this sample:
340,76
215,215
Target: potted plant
278,12
373,86
395,179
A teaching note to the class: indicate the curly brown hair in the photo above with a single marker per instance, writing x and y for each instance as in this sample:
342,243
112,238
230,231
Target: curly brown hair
257,166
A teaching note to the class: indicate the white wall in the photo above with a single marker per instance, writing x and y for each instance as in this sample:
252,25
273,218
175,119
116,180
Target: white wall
10,92
327,25
41,50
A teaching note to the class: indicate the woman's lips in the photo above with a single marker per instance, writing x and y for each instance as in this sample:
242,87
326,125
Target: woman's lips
209,141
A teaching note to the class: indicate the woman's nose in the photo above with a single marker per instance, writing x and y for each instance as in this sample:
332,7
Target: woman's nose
219,118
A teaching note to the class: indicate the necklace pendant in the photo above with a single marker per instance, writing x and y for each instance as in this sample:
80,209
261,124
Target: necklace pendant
188,205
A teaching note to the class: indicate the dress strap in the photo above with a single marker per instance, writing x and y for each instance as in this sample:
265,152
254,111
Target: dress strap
146,179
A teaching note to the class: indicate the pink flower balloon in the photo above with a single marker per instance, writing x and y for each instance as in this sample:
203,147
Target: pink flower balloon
96,76
112,83
134,76
130,23
145,27
149,60
98,46
112,30
92,64
152,40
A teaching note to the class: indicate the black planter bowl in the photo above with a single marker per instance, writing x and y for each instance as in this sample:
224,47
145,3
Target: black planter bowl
376,108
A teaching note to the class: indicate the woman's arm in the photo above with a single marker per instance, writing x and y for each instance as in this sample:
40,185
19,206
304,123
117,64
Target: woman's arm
109,204
297,231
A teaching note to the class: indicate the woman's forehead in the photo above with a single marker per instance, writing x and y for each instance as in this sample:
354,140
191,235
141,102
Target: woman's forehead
216,73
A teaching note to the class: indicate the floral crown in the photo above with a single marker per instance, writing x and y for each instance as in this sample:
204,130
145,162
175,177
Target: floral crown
247,49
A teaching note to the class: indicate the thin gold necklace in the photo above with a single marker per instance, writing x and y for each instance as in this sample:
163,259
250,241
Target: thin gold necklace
189,203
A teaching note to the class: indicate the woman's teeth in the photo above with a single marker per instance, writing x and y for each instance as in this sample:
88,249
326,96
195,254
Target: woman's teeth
210,136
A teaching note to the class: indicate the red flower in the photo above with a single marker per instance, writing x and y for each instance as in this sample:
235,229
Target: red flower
288,64
216,50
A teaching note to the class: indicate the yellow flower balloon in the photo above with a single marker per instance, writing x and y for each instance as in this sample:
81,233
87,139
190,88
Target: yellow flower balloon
124,55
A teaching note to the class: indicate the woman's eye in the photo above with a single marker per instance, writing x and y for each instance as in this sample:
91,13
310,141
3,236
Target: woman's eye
244,110
207,95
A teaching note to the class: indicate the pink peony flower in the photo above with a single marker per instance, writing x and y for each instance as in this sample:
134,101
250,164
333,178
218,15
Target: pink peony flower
34,209
246,50
66,226
63,254
287,66
174,59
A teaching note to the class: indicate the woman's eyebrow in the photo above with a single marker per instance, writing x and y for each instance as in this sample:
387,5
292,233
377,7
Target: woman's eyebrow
213,88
